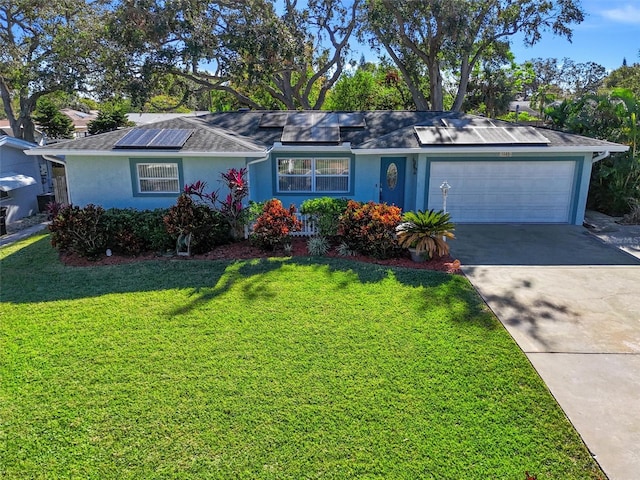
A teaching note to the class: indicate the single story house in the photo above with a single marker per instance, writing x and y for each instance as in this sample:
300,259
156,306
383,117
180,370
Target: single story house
498,172
20,179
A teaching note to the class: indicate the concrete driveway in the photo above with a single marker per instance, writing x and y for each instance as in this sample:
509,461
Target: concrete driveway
572,303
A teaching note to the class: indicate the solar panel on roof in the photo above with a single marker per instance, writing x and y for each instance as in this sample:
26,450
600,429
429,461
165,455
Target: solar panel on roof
455,122
432,135
495,135
479,135
295,134
464,136
170,138
467,122
301,120
154,138
137,138
351,120
328,119
527,135
273,120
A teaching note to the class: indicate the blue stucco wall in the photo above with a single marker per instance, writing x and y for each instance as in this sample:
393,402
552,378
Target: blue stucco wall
106,181
365,180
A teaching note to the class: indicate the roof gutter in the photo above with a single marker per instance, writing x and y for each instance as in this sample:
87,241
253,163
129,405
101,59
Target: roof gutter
140,153
261,159
54,159
600,156
485,149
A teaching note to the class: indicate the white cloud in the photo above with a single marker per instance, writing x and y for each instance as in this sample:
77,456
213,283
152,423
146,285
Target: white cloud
626,14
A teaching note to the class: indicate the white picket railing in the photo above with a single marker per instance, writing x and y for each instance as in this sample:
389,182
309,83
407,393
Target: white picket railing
308,228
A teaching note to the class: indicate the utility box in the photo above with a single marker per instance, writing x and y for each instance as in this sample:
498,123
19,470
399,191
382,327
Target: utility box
43,200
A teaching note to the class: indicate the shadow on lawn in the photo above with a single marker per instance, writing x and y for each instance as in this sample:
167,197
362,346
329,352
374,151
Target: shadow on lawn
34,274
253,274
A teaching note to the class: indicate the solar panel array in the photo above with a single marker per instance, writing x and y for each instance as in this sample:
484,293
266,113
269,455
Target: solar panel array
165,138
312,127
313,134
485,135
273,120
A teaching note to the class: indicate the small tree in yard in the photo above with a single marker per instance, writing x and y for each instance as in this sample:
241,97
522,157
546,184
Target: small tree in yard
109,118
231,208
52,121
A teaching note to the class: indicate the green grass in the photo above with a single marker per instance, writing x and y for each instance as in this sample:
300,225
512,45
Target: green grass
269,369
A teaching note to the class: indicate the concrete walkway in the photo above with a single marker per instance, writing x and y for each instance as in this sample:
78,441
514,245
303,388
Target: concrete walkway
19,235
572,303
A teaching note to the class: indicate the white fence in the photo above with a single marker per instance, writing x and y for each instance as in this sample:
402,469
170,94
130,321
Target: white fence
308,228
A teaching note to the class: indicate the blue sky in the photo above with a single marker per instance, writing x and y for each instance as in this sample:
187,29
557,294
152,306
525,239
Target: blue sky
609,33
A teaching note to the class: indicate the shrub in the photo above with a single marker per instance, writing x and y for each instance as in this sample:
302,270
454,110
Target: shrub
633,217
370,228
207,226
89,231
613,181
131,232
344,250
150,226
318,246
325,213
53,208
273,226
425,231
79,230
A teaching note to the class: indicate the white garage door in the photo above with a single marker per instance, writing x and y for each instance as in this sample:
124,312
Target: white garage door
504,192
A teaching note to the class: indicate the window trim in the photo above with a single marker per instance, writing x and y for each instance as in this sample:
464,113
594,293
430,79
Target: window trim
135,180
313,177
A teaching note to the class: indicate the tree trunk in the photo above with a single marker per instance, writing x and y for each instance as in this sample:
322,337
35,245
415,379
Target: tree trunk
5,94
27,127
418,97
465,71
435,85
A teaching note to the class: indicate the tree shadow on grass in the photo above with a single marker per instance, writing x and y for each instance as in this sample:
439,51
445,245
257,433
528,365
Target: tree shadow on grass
34,274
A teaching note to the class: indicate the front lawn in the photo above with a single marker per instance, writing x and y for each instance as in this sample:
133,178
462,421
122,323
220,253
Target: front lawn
265,369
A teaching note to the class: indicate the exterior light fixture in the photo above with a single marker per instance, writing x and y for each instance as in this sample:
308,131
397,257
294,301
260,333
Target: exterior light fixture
445,191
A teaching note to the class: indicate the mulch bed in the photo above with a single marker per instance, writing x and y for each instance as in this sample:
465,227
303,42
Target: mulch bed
243,250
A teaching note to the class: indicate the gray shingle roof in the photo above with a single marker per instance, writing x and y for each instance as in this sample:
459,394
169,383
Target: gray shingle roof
205,138
241,132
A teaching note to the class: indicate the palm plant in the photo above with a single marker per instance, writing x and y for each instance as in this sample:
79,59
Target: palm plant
426,232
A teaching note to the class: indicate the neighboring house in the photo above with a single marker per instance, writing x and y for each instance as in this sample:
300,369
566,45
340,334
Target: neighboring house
80,120
19,179
140,118
498,172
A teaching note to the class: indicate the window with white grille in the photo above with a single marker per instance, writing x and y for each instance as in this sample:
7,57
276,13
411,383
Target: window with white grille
322,175
158,178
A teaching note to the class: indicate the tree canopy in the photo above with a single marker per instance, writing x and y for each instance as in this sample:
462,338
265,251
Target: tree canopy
51,120
449,37
238,47
293,54
46,47
627,76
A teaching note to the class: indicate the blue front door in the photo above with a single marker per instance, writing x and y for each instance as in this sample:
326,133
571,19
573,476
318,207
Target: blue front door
392,171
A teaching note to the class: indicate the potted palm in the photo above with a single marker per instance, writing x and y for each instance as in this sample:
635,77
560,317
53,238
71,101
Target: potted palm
425,233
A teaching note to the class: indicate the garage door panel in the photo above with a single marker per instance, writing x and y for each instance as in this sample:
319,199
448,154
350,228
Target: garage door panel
502,192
